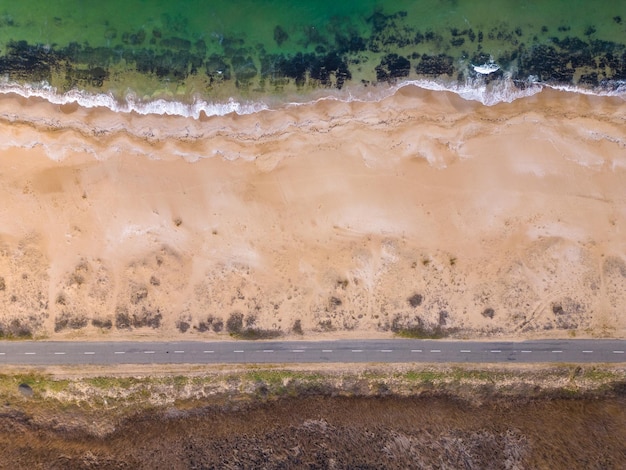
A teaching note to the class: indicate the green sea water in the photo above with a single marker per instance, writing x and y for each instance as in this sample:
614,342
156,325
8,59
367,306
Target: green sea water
215,50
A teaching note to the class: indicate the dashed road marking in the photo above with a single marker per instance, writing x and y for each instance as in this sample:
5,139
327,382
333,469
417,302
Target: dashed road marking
357,350
618,352
2,354
557,351
327,350
297,350
59,353
587,352
526,351
238,350
89,352
435,350
30,353
386,350
416,350
465,351
208,352
119,352
496,351
268,350
148,352
179,352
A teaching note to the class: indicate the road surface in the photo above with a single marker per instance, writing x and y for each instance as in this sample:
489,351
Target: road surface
341,351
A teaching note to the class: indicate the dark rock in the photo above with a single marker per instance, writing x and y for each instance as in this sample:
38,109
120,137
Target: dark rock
435,65
392,66
280,35
176,43
25,390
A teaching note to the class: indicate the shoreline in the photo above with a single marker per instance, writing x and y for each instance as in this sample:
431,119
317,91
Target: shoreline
487,93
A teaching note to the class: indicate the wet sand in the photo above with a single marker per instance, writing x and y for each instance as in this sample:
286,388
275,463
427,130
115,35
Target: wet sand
422,212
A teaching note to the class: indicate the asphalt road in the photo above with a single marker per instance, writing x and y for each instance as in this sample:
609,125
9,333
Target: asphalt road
395,350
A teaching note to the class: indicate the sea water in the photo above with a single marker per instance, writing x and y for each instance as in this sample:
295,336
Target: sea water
190,57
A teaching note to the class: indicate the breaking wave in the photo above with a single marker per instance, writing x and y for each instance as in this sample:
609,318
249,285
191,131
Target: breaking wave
487,92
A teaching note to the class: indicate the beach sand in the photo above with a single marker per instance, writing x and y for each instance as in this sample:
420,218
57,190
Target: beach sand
421,212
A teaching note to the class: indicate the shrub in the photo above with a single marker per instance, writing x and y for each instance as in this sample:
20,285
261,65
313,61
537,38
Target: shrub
138,294
122,319
107,324
234,324
488,312
297,327
218,325
415,300
66,320
183,326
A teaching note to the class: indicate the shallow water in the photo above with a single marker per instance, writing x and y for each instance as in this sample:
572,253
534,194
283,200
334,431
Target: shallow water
222,53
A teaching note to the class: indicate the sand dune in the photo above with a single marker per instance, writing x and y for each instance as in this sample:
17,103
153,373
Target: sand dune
422,212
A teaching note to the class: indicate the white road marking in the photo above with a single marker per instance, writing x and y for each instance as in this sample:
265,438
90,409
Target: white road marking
557,351
416,350
327,350
526,351
618,352
238,350
30,353
435,350
268,350
58,353
297,350
90,352
179,352
496,351
385,350
465,351
148,352
2,354
209,352
587,352
119,352
357,350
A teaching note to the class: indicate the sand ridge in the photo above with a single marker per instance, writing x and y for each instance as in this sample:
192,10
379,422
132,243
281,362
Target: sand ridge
422,211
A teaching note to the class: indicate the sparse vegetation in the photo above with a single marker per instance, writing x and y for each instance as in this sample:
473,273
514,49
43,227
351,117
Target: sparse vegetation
67,320
235,326
3,284
144,318
334,302
417,329
138,293
16,328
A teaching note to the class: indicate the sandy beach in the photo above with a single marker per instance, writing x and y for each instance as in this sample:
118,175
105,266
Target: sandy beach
421,212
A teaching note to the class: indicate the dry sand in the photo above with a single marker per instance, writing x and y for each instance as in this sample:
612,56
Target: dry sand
422,210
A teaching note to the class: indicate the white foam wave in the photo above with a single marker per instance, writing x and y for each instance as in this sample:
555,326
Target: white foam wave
475,89
131,103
